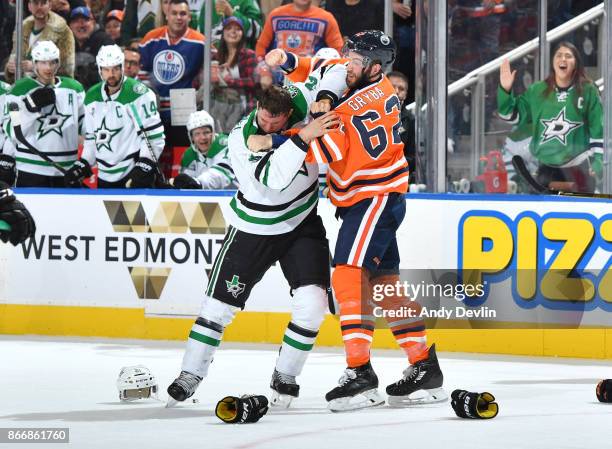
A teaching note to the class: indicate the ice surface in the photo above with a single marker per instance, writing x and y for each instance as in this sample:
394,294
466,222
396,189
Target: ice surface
544,403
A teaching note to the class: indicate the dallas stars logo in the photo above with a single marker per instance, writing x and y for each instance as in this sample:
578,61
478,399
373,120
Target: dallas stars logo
235,287
52,122
104,136
558,128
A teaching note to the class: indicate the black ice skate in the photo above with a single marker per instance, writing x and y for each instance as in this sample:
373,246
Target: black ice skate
182,388
357,389
424,377
284,390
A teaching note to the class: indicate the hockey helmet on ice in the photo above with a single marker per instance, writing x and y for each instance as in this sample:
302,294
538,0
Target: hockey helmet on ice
136,382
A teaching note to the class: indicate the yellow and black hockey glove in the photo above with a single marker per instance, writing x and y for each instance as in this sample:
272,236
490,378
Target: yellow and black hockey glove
241,410
474,405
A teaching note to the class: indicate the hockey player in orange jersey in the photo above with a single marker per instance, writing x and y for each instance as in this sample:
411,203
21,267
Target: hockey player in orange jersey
367,179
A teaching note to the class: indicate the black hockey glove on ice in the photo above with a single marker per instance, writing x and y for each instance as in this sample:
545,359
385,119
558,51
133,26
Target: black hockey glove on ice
38,99
604,390
246,409
184,181
8,173
76,174
14,213
474,405
142,175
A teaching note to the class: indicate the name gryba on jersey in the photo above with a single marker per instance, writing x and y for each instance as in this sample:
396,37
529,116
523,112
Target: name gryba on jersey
364,97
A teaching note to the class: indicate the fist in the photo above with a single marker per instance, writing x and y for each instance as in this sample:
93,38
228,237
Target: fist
276,57
320,107
257,143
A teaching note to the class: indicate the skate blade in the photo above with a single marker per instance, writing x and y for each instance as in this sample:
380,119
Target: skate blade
171,402
419,397
279,401
370,398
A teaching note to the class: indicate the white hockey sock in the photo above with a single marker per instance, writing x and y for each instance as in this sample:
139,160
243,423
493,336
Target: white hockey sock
204,338
296,346
308,307
206,334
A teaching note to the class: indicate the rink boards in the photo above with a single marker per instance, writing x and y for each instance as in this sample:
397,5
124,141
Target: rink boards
135,266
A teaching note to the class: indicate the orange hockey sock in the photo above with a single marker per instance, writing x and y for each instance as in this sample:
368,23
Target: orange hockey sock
409,331
356,320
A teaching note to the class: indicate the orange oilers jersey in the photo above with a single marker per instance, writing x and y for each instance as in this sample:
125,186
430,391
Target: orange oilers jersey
365,153
307,65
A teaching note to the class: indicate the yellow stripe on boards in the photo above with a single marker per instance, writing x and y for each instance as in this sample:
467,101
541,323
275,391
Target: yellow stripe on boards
269,327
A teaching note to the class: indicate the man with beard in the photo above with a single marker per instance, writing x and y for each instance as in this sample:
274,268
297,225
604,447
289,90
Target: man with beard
88,39
42,25
122,129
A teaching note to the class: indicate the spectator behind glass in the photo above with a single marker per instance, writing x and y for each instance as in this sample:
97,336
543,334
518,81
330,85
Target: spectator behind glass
131,64
113,24
142,16
97,9
564,116
407,134
357,15
89,38
300,28
404,34
233,91
247,11
43,24
172,58
61,8
7,25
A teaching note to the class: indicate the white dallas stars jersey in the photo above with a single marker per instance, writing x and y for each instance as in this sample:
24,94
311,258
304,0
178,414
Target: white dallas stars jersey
4,90
54,130
112,128
277,190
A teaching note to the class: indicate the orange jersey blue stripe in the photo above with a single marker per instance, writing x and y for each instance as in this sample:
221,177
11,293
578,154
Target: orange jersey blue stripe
365,153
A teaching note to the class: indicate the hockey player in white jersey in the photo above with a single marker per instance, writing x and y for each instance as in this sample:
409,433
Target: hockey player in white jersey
123,132
273,218
51,115
205,164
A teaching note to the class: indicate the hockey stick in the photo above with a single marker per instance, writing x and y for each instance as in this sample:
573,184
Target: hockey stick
16,122
142,132
519,165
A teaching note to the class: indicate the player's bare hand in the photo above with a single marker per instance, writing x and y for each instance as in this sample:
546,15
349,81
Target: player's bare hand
276,57
506,75
319,126
321,106
257,143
